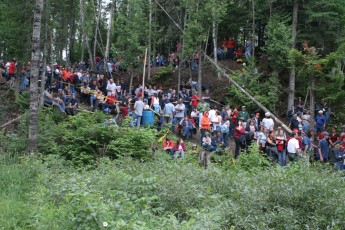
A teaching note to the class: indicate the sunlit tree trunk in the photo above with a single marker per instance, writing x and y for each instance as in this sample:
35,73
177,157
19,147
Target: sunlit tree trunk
292,79
150,40
45,52
35,59
96,29
110,25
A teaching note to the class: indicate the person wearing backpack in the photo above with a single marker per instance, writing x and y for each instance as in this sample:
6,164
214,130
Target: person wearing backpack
225,130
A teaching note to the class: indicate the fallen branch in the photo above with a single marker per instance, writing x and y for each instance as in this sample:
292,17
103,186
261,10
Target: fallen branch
11,121
221,70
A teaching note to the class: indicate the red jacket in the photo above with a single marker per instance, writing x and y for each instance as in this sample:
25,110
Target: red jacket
177,146
12,68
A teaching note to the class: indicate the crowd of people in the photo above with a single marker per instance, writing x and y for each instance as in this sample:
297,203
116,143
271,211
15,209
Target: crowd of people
189,112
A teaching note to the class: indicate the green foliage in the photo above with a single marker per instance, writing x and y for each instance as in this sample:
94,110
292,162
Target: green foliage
23,101
264,90
47,192
278,43
252,162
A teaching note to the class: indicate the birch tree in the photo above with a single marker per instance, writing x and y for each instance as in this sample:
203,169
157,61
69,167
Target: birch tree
35,59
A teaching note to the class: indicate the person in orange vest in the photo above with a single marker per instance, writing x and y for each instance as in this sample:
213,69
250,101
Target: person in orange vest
205,125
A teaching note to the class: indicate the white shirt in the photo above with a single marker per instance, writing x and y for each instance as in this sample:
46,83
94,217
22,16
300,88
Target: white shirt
268,123
212,114
293,145
179,107
111,87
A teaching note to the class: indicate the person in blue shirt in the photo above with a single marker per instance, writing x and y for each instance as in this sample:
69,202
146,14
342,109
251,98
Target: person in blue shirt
323,148
320,121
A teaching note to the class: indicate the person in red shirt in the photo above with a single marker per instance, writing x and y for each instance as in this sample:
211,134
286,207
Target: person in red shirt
238,136
168,146
231,48
224,43
333,136
233,117
12,72
110,102
195,100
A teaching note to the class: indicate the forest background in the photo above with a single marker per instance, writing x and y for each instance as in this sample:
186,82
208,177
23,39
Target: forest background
71,183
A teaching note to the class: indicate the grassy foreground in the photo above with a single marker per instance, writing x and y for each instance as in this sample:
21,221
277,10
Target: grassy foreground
49,193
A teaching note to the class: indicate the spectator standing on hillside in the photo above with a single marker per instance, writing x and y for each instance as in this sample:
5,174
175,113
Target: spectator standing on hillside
320,121
268,121
234,120
202,107
138,110
195,100
323,148
293,147
244,115
12,72
249,49
207,96
179,109
230,45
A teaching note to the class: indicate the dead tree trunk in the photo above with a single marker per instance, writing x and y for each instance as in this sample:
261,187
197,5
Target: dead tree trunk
222,71
35,59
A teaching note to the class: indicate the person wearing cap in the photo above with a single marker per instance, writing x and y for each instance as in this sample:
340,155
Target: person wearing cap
267,121
244,114
320,121
207,142
323,148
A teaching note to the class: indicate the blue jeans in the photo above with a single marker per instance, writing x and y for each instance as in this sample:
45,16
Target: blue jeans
226,139
177,153
209,147
282,157
187,132
176,120
138,118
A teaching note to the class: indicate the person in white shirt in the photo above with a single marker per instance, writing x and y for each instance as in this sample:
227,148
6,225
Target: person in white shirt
111,87
267,122
293,147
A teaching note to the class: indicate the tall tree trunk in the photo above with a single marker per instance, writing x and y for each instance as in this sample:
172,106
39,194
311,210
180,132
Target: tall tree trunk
199,73
214,37
292,79
45,52
150,40
312,105
110,25
35,59
253,28
96,29
84,37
